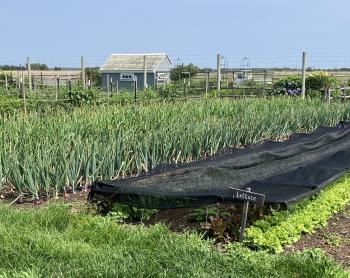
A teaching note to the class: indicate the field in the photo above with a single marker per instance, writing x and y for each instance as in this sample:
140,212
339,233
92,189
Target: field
46,155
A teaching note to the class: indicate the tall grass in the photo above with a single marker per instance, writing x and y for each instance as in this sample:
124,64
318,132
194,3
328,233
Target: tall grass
50,153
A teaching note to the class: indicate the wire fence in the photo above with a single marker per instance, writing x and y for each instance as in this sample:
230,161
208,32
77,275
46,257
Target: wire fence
238,74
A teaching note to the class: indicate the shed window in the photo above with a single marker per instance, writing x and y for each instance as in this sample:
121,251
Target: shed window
126,77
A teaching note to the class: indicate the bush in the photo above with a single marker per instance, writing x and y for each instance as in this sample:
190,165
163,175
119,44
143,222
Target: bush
177,72
319,81
288,85
79,96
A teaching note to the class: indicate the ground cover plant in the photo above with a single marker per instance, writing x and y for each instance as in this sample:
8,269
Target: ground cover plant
54,241
285,227
47,154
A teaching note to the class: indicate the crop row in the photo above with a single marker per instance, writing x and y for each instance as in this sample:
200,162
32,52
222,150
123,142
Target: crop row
47,154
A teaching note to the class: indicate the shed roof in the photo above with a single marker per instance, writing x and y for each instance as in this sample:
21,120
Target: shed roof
133,62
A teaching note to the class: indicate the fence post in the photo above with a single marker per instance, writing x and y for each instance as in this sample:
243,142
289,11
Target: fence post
107,84
145,72
207,82
264,88
135,89
218,74
303,75
23,93
34,82
29,74
82,71
6,84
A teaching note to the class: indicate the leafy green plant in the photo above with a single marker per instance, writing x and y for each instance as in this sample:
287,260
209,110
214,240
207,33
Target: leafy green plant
120,213
286,227
79,96
331,239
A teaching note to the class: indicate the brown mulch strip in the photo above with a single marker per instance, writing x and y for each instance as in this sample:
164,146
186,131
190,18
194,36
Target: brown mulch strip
334,239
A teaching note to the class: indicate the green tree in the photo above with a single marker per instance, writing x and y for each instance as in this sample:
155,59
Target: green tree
94,75
178,72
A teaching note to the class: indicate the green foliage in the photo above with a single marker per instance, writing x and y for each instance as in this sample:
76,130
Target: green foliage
181,71
51,152
319,80
53,241
121,213
79,96
94,75
286,227
288,85
170,90
38,66
203,214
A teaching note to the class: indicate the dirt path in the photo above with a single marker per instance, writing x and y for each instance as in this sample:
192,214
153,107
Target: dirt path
334,239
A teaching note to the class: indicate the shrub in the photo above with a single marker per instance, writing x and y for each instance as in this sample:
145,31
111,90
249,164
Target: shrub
177,72
79,96
319,80
288,85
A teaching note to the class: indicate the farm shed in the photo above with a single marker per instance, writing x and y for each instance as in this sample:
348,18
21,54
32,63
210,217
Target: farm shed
122,70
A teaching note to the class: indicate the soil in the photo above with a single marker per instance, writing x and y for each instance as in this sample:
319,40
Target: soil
334,239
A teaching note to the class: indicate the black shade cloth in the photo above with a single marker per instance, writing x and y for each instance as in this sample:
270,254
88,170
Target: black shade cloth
284,171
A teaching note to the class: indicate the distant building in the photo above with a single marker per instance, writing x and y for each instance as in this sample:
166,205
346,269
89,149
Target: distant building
123,69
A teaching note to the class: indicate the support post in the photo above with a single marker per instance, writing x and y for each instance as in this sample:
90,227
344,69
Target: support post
111,84
303,75
107,82
6,83
135,89
29,74
82,63
23,92
69,85
42,81
207,82
264,88
244,218
58,87
145,72
218,69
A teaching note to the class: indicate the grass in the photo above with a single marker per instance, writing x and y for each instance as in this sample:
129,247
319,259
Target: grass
46,154
55,242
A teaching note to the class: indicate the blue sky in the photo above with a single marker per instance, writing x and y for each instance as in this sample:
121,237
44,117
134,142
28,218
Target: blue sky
58,32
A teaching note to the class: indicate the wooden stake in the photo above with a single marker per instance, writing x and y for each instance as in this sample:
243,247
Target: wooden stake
29,74
244,218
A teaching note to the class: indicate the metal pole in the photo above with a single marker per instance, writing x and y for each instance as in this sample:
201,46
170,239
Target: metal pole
218,74
145,72
303,75
29,74
135,89
244,218
82,71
